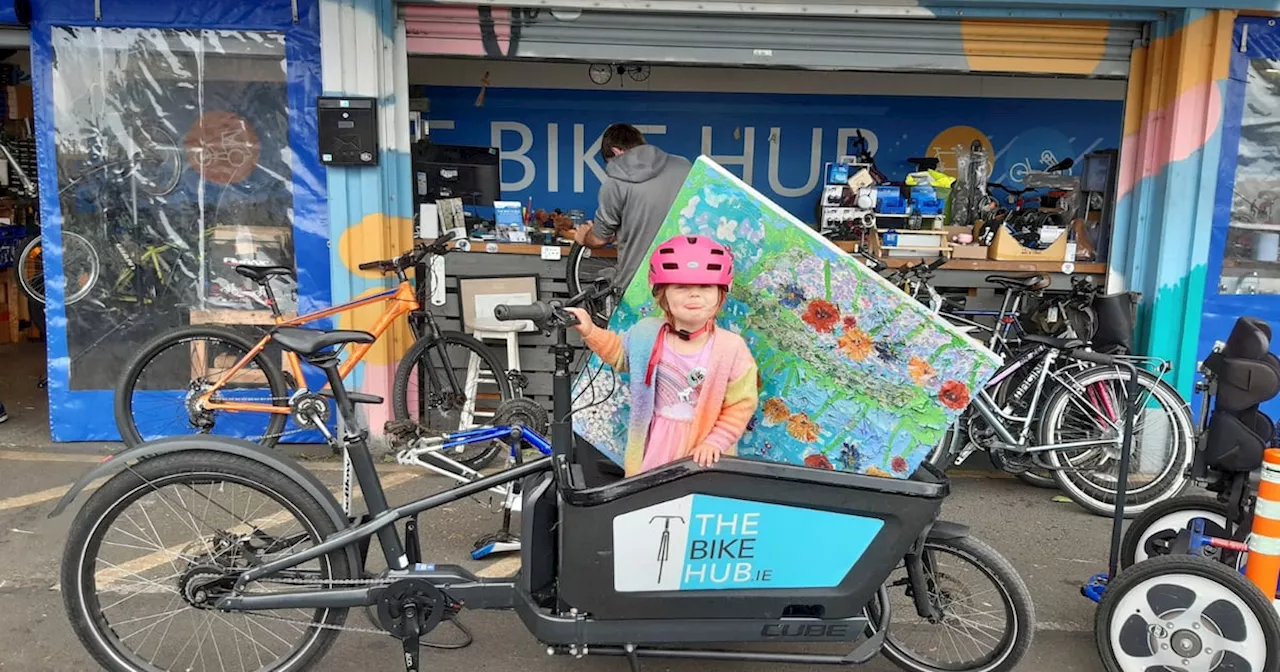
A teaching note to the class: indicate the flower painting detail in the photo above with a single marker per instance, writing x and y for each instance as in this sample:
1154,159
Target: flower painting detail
856,376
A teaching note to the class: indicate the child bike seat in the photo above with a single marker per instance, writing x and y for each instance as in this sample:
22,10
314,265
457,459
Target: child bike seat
1244,375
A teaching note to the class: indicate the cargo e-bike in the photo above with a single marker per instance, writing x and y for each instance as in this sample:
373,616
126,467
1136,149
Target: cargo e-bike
678,562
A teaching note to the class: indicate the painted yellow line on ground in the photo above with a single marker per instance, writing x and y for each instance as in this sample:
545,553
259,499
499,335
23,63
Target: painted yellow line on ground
23,501
977,473
141,564
32,456
501,569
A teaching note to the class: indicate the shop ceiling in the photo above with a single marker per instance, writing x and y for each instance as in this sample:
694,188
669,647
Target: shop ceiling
889,42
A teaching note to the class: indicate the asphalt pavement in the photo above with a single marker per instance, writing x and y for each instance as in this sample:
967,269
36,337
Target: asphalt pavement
1055,546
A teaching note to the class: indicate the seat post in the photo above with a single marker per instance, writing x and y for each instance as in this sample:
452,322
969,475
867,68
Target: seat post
355,443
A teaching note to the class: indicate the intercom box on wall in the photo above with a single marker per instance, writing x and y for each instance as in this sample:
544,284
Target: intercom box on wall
348,128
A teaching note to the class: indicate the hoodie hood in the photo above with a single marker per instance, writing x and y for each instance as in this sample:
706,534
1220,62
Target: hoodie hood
638,164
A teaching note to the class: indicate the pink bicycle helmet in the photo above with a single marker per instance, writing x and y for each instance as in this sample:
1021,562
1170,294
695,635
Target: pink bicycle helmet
691,260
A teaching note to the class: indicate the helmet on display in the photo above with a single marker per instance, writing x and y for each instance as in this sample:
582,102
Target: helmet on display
691,260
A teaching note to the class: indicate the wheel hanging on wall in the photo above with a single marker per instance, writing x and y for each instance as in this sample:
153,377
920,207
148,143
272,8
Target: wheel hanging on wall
638,73
1178,612
601,73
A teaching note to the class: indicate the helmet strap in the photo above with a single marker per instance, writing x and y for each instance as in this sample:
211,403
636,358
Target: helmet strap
681,334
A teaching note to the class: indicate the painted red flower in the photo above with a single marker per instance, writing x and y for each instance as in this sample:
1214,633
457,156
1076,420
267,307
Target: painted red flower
822,315
818,461
954,395
899,465
850,322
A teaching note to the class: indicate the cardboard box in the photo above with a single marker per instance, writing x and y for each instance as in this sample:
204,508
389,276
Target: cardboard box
969,252
1005,248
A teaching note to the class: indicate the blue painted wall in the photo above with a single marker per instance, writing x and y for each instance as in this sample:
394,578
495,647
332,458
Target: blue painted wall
545,134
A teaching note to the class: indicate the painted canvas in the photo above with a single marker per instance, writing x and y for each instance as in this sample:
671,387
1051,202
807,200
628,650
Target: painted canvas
855,375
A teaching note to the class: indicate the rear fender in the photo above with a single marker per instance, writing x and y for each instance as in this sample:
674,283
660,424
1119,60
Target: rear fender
216,444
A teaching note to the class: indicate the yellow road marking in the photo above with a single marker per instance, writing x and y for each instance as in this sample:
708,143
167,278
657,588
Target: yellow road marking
503,568
141,564
32,456
23,501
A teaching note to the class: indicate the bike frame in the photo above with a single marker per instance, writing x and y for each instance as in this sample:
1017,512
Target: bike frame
399,301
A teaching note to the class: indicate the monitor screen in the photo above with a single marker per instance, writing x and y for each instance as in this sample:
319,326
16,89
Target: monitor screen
472,174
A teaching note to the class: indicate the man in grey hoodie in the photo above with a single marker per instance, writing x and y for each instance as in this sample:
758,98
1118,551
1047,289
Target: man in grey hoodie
641,182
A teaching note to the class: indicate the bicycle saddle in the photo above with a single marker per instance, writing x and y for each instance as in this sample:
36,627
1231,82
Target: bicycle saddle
310,341
1056,343
1024,282
261,273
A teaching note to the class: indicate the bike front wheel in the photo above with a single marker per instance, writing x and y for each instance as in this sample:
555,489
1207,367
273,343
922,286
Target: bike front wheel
585,267
1092,410
449,384
152,551
988,617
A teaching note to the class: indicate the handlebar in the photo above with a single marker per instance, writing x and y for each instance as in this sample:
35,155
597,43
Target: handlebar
439,246
552,314
1009,190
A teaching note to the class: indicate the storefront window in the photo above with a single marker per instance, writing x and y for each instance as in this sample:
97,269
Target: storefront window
1251,259
173,167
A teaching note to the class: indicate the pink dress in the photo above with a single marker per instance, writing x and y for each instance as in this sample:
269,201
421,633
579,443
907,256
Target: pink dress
677,382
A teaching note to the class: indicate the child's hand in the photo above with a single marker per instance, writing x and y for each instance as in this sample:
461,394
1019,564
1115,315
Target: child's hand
584,326
706,455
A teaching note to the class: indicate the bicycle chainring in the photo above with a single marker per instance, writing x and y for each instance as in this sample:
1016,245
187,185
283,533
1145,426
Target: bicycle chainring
430,604
309,409
524,412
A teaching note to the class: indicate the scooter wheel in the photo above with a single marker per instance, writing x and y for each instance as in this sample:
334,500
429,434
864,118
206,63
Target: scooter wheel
1162,522
1178,612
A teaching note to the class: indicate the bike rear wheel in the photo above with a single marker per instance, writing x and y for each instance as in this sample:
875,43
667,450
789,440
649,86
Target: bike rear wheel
1093,410
186,551
450,384
158,394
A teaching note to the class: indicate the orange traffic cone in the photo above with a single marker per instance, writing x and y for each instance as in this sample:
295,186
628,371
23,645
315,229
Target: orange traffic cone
1263,567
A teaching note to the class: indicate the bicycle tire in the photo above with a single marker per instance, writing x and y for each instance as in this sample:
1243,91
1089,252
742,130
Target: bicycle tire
69,238
125,386
1137,500
601,310
1171,511
1181,574
87,532
1013,593
400,392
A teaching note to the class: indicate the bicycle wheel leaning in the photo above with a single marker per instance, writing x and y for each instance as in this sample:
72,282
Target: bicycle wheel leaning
81,267
439,387
585,267
159,392
152,550
986,627
1093,409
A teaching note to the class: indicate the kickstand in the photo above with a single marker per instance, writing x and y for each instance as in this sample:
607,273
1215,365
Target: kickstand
632,659
412,651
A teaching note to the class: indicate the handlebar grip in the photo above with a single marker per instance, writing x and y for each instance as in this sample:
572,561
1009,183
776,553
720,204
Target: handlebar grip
446,237
1095,357
537,312
936,264
371,266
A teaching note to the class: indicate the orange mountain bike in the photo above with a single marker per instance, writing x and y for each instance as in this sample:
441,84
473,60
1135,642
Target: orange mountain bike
212,379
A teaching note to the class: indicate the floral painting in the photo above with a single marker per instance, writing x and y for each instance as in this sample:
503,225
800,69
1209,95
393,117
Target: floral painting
855,375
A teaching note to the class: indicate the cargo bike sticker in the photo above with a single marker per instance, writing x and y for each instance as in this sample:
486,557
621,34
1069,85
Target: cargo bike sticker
855,375
702,542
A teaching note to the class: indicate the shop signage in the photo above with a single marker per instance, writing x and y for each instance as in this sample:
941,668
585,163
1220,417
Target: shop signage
550,139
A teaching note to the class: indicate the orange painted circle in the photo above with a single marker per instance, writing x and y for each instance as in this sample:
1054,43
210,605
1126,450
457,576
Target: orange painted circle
943,147
223,147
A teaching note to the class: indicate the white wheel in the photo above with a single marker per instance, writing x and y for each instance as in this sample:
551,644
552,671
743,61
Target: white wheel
1092,410
1149,534
80,266
1189,614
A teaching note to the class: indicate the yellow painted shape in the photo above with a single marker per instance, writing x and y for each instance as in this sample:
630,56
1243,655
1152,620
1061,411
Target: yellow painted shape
1053,47
943,147
1170,66
375,237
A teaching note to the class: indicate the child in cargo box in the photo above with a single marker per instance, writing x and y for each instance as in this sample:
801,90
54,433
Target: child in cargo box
693,386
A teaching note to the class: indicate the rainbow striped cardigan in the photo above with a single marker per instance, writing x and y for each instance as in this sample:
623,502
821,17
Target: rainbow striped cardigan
726,402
